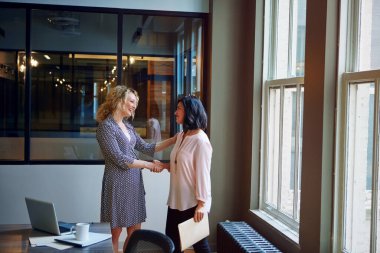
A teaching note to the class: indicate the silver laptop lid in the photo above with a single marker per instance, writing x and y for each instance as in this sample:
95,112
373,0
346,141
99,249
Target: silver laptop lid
42,215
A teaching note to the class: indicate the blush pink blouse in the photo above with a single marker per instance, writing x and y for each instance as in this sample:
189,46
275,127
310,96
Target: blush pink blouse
190,165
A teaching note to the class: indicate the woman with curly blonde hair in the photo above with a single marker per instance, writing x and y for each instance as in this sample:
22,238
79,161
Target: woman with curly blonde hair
123,194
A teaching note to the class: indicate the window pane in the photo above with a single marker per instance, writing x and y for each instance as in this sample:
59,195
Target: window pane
12,85
156,51
369,38
273,146
196,56
152,77
283,37
181,64
290,38
68,84
359,168
288,150
300,152
74,65
69,31
12,28
66,92
299,35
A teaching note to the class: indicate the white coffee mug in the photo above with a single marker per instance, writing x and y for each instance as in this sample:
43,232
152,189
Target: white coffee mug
82,231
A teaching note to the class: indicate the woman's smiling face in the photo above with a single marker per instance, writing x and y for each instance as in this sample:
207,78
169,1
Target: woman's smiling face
129,105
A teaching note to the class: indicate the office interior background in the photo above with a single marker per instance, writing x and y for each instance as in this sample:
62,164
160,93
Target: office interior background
291,88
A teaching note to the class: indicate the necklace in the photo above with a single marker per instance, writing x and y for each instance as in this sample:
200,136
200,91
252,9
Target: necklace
179,147
187,133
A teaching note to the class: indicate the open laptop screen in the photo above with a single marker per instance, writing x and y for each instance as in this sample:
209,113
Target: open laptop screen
43,217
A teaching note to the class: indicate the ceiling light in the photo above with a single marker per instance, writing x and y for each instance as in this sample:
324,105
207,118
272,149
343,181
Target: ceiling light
34,62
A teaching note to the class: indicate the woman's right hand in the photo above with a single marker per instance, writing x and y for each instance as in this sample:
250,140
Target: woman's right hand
163,165
153,167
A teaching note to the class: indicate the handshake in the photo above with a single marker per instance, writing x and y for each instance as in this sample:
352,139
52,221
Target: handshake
157,166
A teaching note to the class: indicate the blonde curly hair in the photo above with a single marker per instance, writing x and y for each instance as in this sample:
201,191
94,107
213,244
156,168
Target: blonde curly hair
115,95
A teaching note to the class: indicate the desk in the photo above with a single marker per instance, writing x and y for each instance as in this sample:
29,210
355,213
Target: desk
15,239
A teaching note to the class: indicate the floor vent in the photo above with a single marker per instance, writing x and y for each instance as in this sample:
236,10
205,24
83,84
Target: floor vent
236,237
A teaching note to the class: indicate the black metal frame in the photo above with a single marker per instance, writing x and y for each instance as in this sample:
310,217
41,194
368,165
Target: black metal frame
120,14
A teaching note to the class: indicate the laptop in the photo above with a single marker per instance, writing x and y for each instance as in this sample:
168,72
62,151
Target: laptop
42,217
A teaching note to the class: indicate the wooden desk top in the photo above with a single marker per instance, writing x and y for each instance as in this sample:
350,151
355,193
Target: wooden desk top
15,239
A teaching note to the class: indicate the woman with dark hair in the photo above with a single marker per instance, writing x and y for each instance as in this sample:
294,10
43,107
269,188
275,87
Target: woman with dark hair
190,164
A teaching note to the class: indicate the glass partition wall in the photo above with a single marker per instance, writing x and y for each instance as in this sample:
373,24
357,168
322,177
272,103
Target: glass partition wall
12,84
61,64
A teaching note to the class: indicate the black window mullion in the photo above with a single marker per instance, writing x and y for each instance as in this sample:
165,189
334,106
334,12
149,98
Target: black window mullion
119,47
28,86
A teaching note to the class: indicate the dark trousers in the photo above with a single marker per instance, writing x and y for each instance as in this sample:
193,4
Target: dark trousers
175,217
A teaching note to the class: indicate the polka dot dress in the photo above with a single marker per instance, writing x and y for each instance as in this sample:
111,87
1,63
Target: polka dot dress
123,193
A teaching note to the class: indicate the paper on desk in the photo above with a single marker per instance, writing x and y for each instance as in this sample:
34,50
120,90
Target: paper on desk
41,240
191,232
59,246
47,241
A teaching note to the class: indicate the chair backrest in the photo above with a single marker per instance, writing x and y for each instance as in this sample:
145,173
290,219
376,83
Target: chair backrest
148,238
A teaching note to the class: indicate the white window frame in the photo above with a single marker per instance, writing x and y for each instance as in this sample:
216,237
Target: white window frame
348,74
270,81
347,80
291,222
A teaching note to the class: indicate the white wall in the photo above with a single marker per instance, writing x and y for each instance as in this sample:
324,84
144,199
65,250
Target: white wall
75,191
162,5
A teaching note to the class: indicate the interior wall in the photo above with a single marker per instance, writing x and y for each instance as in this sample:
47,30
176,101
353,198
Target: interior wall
231,109
75,191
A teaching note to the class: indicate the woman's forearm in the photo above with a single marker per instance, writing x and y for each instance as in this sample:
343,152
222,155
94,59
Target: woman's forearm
165,144
144,164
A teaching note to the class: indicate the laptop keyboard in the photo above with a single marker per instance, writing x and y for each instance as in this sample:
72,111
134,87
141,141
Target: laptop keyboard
64,226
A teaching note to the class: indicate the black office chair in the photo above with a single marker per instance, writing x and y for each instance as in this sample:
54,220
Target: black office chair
144,240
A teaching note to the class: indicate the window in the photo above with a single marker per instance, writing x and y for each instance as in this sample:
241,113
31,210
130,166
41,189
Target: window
75,57
12,84
283,110
360,120
361,163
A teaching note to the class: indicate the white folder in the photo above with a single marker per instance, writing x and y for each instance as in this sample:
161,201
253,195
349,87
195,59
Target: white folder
93,238
191,232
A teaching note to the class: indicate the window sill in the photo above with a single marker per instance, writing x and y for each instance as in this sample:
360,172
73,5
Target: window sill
284,230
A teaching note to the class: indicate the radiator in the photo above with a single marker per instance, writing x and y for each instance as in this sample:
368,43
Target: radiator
236,237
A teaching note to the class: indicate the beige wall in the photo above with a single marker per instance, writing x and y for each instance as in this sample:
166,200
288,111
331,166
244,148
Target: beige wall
231,108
